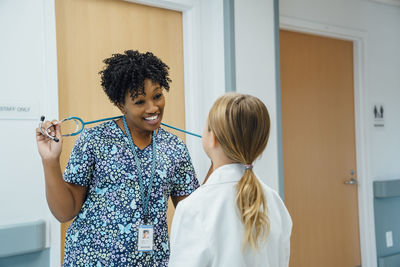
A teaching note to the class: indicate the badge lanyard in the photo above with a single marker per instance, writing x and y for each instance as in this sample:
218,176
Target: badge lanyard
146,230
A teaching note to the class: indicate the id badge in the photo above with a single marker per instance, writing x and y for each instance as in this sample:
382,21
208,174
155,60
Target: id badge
145,238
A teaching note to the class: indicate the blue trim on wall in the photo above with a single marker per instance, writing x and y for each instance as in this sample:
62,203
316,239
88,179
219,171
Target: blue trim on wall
23,238
229,46
281,181
35,259
387,218
387,189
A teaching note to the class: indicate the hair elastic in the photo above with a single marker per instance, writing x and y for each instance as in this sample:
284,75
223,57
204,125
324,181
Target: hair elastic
248,167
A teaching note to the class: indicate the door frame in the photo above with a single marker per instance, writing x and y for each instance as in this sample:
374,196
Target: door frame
365,192
204,76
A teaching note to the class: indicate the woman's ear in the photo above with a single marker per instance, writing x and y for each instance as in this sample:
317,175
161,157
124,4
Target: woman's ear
121,108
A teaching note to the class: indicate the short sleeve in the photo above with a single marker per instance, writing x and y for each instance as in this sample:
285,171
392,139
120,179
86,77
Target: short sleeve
184,180
80,165
189,242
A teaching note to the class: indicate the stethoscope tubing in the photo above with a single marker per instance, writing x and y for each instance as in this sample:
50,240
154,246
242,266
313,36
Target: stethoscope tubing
82,123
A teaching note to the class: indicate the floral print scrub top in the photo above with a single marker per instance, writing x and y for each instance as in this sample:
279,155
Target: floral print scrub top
105,231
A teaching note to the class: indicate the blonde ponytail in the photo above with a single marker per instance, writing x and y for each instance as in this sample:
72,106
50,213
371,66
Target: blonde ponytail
252,205
241,125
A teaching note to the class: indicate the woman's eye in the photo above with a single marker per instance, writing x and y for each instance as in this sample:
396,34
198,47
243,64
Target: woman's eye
140,102
157,96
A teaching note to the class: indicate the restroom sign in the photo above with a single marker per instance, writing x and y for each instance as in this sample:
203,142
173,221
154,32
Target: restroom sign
10,110
378,112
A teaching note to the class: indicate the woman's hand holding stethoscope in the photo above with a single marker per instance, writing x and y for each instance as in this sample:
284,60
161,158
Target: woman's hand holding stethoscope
46,134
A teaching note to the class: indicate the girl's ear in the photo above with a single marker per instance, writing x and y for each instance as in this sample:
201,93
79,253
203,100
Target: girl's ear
213,139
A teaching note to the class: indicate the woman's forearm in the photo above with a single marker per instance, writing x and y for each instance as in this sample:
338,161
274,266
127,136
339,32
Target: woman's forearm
59,196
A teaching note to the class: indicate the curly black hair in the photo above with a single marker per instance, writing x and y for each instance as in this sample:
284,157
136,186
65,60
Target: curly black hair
127,72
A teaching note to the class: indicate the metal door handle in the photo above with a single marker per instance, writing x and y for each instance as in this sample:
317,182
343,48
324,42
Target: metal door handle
351,181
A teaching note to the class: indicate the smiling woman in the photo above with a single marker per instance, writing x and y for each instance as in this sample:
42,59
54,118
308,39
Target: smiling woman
134,82
115,167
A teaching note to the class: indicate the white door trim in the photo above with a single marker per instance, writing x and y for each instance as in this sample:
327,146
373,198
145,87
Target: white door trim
365,193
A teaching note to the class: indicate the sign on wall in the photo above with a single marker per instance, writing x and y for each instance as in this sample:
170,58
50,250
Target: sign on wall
19,110
379,115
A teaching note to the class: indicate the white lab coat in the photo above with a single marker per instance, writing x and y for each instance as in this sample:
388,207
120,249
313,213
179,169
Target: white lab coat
207,231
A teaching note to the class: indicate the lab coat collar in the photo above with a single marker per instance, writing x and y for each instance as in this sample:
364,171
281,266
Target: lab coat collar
226,174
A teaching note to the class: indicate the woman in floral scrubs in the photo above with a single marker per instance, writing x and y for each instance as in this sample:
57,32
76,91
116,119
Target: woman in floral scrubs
120,173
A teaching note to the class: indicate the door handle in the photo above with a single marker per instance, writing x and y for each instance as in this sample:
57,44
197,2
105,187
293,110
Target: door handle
351,181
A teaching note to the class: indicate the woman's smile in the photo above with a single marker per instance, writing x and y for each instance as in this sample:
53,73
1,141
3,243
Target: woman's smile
155,119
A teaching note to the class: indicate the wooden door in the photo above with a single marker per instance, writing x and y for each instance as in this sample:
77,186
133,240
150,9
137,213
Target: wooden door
319,150
89,31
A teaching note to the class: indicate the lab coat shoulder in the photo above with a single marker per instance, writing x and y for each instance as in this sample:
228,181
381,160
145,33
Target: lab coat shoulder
281,225
274,200
211,219
189,238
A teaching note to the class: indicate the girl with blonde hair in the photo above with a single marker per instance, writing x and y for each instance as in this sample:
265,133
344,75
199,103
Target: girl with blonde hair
233,219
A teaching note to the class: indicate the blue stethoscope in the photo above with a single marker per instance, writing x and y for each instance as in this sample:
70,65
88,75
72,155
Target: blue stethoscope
80,125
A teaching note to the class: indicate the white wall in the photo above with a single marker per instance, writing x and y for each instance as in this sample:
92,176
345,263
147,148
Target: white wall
255,71
383,29
25,71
